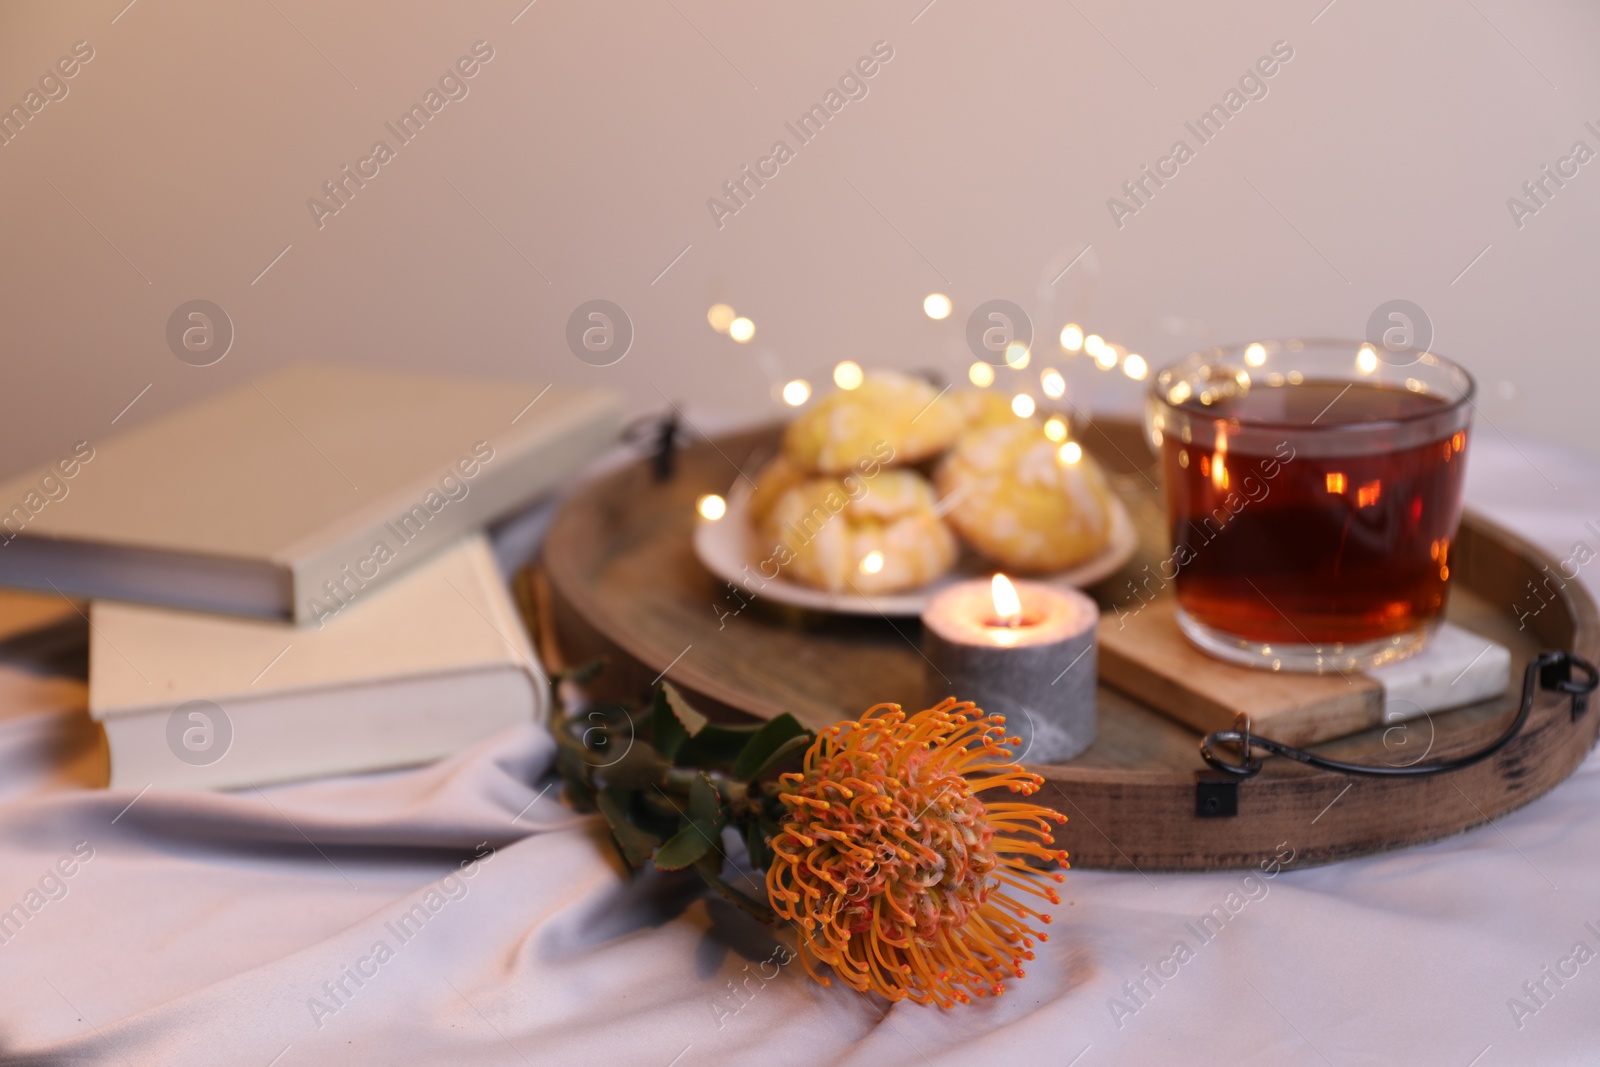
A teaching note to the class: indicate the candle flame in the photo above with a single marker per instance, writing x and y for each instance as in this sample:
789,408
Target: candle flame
1007,605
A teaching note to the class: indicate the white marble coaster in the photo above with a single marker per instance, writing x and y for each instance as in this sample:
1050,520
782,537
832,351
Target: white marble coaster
1456,667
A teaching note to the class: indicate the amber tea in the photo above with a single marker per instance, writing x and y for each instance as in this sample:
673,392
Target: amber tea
1312,518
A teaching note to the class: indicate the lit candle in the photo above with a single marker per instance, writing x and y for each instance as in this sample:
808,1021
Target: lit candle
1021,649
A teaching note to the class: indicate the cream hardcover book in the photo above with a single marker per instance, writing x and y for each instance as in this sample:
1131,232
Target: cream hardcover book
418,669
289,496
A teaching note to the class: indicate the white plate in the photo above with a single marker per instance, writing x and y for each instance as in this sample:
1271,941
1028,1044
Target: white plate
728,546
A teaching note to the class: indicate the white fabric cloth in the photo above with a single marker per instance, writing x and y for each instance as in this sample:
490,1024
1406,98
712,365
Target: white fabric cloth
219,929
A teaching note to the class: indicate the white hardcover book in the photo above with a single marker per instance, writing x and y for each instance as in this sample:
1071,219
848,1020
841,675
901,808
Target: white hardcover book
418,669
291,495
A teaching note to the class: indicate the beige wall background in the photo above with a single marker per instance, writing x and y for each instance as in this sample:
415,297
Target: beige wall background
1378,166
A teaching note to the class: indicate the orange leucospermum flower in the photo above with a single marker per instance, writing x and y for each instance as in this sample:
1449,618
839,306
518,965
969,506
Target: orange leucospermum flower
898,876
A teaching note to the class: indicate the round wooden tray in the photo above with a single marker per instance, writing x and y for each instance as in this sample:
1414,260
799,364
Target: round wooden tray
618,577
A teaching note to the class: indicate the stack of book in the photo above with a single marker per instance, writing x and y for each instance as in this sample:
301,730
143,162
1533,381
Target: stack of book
290,578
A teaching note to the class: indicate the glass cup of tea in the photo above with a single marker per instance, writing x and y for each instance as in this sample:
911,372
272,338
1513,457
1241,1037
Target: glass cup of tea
1313,493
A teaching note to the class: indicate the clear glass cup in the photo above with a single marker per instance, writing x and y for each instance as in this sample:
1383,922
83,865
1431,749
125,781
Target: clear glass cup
1313,493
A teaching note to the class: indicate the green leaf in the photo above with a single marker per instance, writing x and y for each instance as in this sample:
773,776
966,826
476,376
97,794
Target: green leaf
686,712
716,745
755,842
638,767
768,740
709,868
705,803
575,781
698,828
684,736
603,731
665,728
652,811
636,844
787,753
684,847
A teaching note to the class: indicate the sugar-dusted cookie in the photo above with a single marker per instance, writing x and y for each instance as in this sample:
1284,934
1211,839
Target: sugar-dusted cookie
983,407
889,417
775,479
1011,494
875,535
